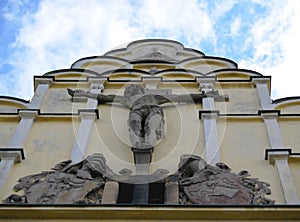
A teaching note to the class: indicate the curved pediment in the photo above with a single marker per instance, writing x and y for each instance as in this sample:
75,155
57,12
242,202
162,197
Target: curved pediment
288,105
234,74
100,64
207,64
178,74
65,74
12,104
154,49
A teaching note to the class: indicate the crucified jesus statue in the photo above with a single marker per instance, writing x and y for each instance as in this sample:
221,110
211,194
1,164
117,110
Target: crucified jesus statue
146,117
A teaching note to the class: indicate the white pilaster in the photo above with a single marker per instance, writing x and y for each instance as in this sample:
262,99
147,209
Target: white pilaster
273,129
280,159
8,158
86,124
82,137
263,92
23,128
40,92
212,153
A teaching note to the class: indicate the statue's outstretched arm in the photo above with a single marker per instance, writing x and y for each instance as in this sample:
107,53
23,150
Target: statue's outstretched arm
100,97
112,98
187,98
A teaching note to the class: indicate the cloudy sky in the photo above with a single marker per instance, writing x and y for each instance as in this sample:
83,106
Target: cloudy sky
37,36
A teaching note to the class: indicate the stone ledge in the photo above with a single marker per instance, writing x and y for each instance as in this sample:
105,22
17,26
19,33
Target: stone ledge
12,153
153,212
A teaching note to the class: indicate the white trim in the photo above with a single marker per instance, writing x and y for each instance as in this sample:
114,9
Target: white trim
82,137
40,92
23,128
273,130
280,159
86,124
212,153
151,83
288,186
7,161
263,92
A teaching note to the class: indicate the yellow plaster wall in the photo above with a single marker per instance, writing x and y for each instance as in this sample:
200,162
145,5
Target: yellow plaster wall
242,147
243,99
294,163
7,129
289,107
184,135
110,137
57,99
10,107
290,131
50,141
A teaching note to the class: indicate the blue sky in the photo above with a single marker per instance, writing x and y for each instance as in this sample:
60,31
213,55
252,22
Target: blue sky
37,36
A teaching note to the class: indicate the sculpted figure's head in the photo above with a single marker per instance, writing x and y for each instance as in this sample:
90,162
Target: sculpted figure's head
132,90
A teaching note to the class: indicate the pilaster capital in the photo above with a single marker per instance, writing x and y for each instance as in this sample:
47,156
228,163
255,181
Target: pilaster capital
151,82
28,114
88,114
269,114
97,80
15,154
48,80
211,80
277,154
209,114
260,80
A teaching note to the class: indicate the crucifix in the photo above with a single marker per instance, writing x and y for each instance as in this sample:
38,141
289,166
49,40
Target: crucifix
145,122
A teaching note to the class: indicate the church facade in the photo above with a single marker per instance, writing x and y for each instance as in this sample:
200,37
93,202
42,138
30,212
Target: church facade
151,131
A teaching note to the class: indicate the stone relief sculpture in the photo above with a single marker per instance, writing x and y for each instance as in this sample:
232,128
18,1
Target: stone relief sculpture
201,183
146,117
80,183
83,183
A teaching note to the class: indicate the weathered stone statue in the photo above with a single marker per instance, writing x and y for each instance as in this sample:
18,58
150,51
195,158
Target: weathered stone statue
201,183
146,118
66,183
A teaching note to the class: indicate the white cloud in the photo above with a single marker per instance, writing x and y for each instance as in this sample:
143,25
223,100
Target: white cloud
60,32
185,19
222,8
13,8
276,40
235,26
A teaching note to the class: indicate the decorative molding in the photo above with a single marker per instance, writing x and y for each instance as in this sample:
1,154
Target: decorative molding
151,82
28,113
88,113
10,151
208,113
277,153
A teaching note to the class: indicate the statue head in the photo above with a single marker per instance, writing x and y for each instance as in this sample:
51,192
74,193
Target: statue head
132,90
